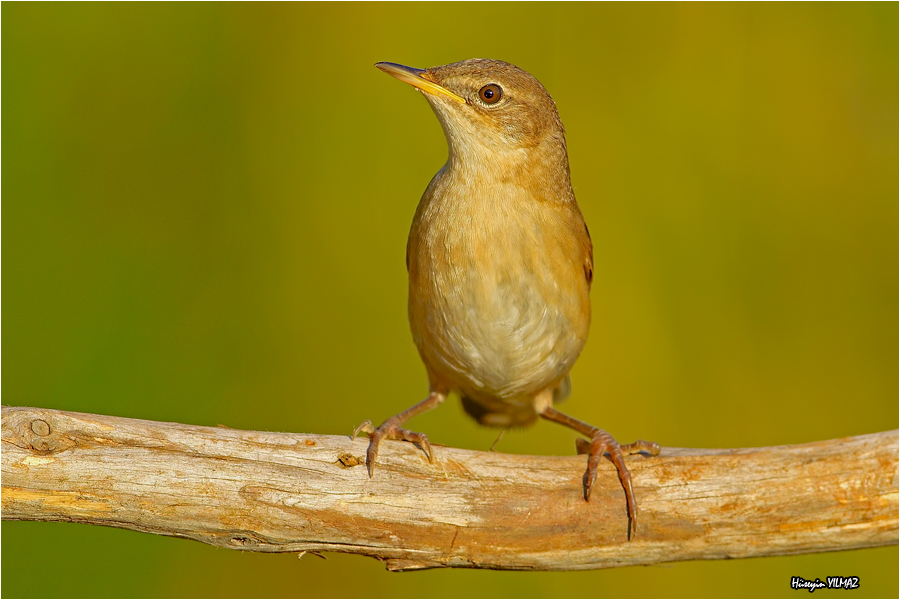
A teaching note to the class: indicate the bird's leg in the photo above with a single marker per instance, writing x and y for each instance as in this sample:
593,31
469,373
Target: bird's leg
499,437
602,443
391,430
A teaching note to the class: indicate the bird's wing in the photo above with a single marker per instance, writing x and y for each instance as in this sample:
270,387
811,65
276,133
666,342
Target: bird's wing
588,259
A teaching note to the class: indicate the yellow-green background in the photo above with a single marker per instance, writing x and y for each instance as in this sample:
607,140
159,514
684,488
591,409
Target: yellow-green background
205,209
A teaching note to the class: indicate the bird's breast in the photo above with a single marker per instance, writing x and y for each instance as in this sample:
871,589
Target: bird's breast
498,300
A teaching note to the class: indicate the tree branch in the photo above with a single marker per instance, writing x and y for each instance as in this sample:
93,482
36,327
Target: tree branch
279,492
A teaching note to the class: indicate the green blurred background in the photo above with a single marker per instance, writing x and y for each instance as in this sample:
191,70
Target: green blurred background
205,209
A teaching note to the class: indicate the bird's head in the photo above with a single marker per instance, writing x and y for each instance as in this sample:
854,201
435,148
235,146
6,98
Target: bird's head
490,111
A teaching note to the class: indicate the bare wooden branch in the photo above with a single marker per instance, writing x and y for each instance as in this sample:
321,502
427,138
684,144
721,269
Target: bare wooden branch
279,492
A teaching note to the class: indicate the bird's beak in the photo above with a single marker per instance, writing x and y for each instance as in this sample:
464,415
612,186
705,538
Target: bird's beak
418,79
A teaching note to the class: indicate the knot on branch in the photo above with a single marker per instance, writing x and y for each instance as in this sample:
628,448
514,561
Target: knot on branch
42,435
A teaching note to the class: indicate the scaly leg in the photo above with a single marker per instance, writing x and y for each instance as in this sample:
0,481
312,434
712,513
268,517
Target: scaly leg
602,443
391,430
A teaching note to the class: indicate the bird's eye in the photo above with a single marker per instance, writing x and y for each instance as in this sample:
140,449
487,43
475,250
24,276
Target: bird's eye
490,94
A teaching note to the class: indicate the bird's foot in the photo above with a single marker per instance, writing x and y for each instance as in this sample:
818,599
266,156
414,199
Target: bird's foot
390,430
583,446
602,444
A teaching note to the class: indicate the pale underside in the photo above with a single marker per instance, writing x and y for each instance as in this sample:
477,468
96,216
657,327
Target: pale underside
498,299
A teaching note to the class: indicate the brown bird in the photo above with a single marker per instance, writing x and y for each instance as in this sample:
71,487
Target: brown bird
500,262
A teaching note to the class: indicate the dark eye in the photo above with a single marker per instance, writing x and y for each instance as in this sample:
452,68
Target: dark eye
490,94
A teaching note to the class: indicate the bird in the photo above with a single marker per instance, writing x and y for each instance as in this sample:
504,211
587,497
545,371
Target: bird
500,264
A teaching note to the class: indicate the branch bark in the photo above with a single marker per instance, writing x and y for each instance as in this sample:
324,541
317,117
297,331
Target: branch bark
280,492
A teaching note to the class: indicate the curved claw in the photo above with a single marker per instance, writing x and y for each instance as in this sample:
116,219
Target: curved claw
642,447
372,451
365,427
